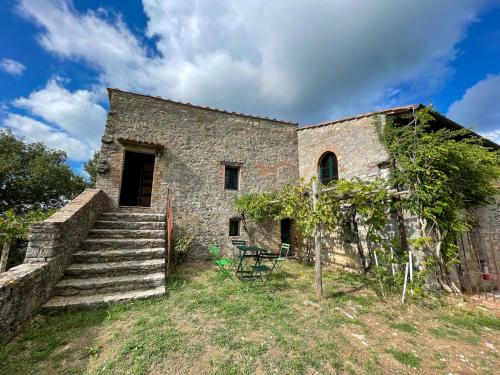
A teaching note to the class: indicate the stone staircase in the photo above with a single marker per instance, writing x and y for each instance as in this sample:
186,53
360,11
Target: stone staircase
123,259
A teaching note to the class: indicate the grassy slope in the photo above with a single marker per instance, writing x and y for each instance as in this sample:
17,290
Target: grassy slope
203,326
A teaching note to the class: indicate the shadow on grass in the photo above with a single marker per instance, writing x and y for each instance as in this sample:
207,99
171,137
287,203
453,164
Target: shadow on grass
48,344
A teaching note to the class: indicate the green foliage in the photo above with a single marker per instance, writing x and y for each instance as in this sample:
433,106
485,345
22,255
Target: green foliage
182,247
296,202
90,166
33,176
14,225
93,351
390,278
260,207
341,207
14,231
446,171
368,204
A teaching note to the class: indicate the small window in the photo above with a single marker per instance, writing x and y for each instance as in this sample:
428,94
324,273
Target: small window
234,227
231,178
328,168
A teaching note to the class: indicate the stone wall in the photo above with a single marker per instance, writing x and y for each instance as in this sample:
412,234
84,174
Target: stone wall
198,142
488,217
359,154
25,288
354,142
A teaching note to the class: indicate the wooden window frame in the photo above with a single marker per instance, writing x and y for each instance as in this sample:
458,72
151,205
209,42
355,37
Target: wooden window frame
334,168
236,220
238,173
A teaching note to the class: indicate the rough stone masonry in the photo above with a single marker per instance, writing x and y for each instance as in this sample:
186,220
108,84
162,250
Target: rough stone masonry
193,146
193,151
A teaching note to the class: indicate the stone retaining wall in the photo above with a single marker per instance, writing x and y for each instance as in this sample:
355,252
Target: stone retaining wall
23,289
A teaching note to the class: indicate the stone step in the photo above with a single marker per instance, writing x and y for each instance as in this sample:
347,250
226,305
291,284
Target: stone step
86,270
134,217
134,209
88,302
147,225
125,233
100,244
118,255
101,285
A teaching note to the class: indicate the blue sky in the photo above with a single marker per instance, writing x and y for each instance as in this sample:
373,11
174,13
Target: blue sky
305,61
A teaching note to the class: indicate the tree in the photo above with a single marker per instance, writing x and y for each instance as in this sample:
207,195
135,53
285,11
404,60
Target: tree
90,166
15,226
447,172
33,176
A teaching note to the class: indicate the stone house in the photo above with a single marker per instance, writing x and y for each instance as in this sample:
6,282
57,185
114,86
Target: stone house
108,244
208,157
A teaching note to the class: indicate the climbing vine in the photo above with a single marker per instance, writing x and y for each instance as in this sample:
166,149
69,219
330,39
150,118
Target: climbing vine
444,173
447,172
354,209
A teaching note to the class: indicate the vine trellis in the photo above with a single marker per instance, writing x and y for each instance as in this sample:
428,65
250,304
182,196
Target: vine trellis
315,209
436,175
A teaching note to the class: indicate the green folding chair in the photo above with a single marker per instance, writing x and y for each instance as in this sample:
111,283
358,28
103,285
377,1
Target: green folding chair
266,270
236,251
221,263
284,253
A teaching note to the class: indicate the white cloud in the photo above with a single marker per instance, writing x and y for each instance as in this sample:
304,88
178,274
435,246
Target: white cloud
479,107
76,113
36,131
493,135
107,45
297,60
12,66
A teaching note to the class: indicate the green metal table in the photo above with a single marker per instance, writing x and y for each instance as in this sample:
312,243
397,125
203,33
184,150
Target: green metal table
246,254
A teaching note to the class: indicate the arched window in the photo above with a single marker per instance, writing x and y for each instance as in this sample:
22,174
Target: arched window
328,168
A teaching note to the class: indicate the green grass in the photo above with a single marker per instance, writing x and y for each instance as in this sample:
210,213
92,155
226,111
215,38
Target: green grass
42,341
403,327
464,326
472,321
406,358
203,326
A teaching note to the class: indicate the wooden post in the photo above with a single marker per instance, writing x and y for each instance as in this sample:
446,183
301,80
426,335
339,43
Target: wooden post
404,284
5,255
317,249
169,225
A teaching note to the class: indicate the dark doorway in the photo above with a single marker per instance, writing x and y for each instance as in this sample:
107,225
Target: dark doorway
286,232
137,179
